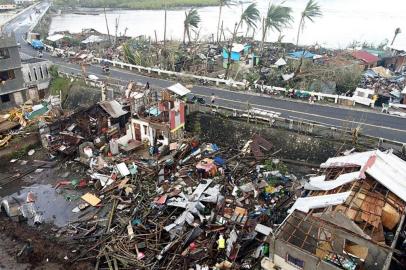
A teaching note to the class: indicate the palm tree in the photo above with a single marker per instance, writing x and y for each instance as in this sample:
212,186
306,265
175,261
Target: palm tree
223,3
397,32
311,11
250,16
192,20
276,18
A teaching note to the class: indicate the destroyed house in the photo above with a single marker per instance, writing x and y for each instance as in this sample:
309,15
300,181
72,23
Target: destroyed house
366,59
162,121
351,218
106,120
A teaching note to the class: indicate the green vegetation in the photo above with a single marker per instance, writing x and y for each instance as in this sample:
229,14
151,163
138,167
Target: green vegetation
311,11
59,85
192,20
276,18
136,4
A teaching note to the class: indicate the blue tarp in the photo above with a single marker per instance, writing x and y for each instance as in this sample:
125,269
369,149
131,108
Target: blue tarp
37,44
236,56
153,111
219,161
299,54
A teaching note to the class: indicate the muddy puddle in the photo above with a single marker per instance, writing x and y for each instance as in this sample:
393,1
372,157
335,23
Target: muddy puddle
50,205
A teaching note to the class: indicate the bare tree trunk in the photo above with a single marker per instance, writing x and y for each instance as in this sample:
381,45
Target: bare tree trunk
298,32
156,37
188,34
221,32
264,30
218,25
394,38
229,50
184,34
107,25
165,24
116,29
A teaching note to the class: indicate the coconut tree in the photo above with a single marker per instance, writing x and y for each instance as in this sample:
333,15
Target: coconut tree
311,11
222,3
250,16
192,20
397,32
276,18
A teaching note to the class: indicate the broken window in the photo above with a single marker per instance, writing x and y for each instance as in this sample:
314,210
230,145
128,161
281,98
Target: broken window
7,75
5,98
4,53
294,261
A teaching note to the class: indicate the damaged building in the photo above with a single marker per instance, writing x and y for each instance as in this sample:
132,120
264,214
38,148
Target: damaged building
11,79
351,217
21,78
162,121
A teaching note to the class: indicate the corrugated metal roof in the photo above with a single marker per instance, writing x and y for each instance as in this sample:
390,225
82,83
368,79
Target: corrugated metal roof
314,202
365,56
55,37
385,167
113,108
179,89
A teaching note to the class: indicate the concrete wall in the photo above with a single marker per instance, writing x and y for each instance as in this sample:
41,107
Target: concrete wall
311,262
37,74
9,43
13,85
280,247
148,132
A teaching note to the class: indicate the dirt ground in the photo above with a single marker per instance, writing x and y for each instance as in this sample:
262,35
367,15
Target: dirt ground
46,251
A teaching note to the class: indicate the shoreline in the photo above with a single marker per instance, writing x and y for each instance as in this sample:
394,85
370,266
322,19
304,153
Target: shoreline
92,11
140,6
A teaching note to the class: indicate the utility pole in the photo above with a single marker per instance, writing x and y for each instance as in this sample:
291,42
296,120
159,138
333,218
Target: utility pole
165,24
107,25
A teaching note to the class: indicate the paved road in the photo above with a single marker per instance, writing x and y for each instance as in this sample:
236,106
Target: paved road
371,123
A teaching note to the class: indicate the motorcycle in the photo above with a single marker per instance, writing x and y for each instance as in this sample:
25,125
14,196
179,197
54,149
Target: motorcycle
106,69
199,100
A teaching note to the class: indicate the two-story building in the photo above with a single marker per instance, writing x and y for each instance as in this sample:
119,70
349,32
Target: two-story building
12,84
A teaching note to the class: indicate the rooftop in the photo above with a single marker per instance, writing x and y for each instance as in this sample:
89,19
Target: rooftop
365,56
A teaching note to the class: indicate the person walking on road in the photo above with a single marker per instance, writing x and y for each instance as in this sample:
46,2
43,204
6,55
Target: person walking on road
213,98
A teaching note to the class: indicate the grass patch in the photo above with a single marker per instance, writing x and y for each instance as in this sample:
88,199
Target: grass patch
137,4
60,85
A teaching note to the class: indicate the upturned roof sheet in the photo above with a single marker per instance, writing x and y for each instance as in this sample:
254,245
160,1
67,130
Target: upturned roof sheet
385,167
179,89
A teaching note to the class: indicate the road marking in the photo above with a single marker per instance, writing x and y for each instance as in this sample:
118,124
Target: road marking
310,114
264,106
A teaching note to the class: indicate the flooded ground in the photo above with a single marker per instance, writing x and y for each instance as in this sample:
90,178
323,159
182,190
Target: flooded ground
343,22
47,249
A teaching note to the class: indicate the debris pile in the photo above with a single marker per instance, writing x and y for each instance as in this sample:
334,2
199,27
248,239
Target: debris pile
198,205
16,119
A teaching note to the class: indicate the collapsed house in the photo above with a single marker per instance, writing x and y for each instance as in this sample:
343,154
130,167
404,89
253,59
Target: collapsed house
351,218
98,123
161,122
